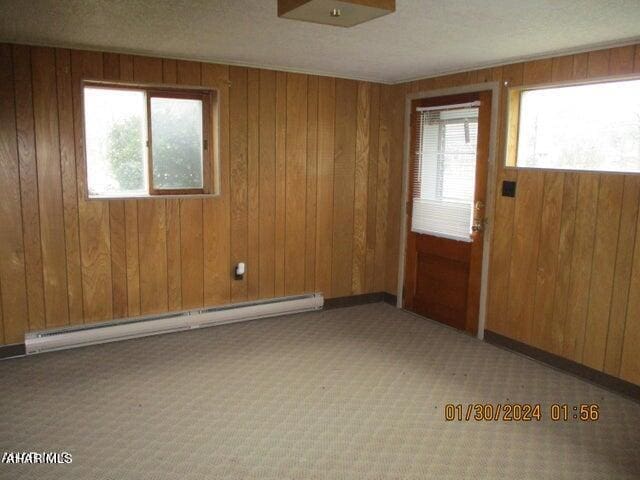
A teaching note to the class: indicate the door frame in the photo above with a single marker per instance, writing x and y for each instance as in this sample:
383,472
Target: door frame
492,171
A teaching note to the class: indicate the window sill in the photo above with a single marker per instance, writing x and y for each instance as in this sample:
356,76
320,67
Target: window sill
153,197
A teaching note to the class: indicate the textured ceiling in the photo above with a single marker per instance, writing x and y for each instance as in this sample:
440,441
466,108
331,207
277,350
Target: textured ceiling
422,38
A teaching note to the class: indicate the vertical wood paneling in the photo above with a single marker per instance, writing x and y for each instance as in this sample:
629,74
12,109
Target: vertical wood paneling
524,253
152,238
503,220
565,249
191,225
238,170
174,227
621,281
629,359
581,262
361,188
120,258
372,192
12,266
295,183
267,142
45,108
324,217
131,224
542,326
621,60
603,269
117,219
312,175
343,191
384,152
253,184
395,186
29,185
216,211
69,185
280,216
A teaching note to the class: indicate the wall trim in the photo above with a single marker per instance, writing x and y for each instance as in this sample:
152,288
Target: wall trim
14,350
601,379
363,299
492,173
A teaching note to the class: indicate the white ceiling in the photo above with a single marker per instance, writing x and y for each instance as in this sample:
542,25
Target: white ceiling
422,38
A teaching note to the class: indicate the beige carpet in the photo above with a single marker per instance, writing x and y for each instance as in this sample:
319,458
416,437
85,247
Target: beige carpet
353,393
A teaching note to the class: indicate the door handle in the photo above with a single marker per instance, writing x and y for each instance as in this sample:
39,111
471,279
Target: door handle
478,217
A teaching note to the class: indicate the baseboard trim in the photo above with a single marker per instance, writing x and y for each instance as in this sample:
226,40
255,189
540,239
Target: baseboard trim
363,299
15,350
596,377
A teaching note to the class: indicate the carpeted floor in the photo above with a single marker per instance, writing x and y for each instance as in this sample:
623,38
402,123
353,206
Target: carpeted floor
351,393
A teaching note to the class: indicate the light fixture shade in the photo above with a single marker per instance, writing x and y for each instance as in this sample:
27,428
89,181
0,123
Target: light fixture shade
339,13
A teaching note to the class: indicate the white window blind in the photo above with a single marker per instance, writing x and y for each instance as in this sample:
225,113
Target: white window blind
445,170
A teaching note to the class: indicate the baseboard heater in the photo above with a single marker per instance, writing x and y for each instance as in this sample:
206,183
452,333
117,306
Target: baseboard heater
71,337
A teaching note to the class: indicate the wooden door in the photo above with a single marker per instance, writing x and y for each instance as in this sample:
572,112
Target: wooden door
443,270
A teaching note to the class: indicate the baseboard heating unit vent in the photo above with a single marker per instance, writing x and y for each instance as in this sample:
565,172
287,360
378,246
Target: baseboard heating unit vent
70,337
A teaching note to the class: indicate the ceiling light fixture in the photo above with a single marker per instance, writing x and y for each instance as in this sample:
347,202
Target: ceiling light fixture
342,13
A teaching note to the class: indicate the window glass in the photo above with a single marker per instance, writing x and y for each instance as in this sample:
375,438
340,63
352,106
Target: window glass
583,127
115,141
176,134
446,159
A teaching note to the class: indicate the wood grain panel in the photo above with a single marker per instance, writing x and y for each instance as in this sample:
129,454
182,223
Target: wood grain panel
128,257
267,172
343,192
253,184
524,253
361,188
280,215
191,219
117,219
565,250
324,217
238,172
503,220
583,244
69,185
12,264
45,108
131,224
546,275
630,360
598,64
621,60
372,189
603,267
395,186
174,228
312,175
216,211
622,275
296,183
382,194
28,185
152,238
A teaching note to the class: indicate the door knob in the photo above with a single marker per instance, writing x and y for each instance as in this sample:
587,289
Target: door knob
478,217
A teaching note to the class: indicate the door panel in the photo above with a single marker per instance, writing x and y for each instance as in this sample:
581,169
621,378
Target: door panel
443,269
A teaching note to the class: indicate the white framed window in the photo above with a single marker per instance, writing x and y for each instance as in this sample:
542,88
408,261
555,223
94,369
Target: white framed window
588,127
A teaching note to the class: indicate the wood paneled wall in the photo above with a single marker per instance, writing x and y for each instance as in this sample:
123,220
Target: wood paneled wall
565,259
306,164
